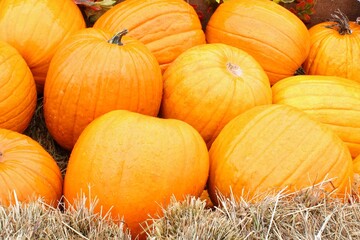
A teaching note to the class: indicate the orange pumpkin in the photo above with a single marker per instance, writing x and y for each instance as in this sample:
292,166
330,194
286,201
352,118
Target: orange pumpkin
90,76
209,84
334,101
133,164
335,49
166,27
27,171
36,28
273,147
18,98
274,36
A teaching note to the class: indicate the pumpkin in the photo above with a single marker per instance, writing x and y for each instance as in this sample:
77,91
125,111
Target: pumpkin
274,148
274,36
335,48
356,185
334,101
27,171
18,98
90,76
36,28
133,164
209,84
166,27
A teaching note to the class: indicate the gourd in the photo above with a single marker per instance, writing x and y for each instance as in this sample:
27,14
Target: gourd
27,171
95,72
166,27
36,28
335,48
274,148
18,91
209,84
334,101
133,164
274,36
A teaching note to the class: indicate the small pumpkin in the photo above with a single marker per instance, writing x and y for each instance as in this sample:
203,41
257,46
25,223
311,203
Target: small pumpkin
133,164
334,49
93,73
334,101
18,91
209,84
36,28
27,171
274,36
166,27
277,147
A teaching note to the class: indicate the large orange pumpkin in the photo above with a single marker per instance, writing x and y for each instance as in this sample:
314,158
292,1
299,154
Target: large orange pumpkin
27,171
36,28
335,49
18,91
133,164
334,101
273,147
166,27
274,36
209,84
90,76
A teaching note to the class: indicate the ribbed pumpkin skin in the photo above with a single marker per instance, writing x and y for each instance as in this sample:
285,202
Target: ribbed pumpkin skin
334,101
18,91
36,28
166,27
333,54
274,36
89,76
134,163
276,146
210,84
27,169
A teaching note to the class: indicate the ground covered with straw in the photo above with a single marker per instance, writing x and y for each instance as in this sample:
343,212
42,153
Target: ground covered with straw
308,214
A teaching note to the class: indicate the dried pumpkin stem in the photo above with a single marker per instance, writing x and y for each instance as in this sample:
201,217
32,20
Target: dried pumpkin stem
341,22
234,69
116,39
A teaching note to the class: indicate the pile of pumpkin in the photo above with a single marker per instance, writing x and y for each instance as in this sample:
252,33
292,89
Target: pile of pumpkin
151,106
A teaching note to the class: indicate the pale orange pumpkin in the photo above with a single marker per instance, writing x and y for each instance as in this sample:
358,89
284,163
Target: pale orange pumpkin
27,171
94,73
36,28
335,48
209,84
18,91
274,36
277,147
166,27
133,164
334,101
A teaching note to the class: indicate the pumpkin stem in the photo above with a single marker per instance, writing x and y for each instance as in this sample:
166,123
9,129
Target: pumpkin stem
341,22
116,39
358,20
300,71
234,69
1,154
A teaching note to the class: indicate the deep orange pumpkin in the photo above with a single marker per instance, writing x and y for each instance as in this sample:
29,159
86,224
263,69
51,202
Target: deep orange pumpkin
133,164
273,147
18,91
36,28
335,49
209,84
166,27
27,171
334,101
90,76
274,36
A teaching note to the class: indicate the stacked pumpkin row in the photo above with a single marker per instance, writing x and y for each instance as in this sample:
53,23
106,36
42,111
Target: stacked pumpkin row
151,106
